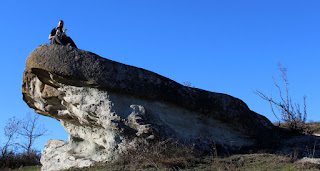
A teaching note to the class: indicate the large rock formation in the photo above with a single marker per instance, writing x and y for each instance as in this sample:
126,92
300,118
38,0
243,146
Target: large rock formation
106,107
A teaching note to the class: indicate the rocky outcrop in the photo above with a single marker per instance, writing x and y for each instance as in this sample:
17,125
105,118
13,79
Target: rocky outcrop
106,107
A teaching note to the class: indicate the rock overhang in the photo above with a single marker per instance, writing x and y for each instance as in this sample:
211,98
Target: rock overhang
85,91
81,68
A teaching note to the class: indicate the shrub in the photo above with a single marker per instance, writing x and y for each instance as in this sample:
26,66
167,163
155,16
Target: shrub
290,112
14,160
158,155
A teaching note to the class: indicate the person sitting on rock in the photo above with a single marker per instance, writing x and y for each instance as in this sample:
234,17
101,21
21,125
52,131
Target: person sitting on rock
58,36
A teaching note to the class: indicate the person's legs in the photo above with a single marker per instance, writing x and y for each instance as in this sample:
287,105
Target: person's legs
63,41
72,44
57,40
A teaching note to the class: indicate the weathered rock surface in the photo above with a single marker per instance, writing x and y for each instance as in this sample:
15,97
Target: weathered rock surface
106,107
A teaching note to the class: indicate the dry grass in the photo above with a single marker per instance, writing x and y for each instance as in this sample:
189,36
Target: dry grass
315,126
311,127
170,155
261,161
167,155
159,155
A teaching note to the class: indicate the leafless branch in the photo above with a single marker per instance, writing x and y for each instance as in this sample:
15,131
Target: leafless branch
10,131
290,112
31,131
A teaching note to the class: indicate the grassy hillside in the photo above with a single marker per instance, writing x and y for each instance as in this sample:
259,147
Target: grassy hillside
261,161
315,126
173,156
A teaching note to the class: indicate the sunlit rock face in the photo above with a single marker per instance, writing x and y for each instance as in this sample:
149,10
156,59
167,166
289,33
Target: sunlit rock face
107,107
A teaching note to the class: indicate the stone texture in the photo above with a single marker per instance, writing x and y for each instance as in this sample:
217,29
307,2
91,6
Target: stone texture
310,160
106,107
59,152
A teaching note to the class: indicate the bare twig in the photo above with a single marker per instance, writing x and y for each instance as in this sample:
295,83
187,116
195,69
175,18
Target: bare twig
290,112
31,131
10,131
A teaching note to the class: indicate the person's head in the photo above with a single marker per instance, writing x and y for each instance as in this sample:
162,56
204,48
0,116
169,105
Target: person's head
60,23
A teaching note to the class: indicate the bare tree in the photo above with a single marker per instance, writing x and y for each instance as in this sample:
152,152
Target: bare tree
10,131
30,131
290,112
26,131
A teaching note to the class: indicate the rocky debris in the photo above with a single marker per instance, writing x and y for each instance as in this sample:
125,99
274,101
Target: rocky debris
107,107
310,160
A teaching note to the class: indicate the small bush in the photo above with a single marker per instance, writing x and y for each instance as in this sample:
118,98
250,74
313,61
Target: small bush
14,160
291,114
158,155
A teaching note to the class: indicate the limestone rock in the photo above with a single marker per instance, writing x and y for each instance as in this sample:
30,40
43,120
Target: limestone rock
59,156
106,107
310,160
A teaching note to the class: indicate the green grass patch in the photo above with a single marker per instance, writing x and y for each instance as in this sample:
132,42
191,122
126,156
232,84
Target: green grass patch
28,168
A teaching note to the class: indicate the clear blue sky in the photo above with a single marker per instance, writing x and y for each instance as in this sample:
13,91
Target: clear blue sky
229,46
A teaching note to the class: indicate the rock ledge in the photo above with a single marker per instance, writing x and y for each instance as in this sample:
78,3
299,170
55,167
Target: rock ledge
106,107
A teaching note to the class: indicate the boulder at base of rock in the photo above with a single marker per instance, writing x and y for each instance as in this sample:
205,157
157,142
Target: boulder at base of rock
107,107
